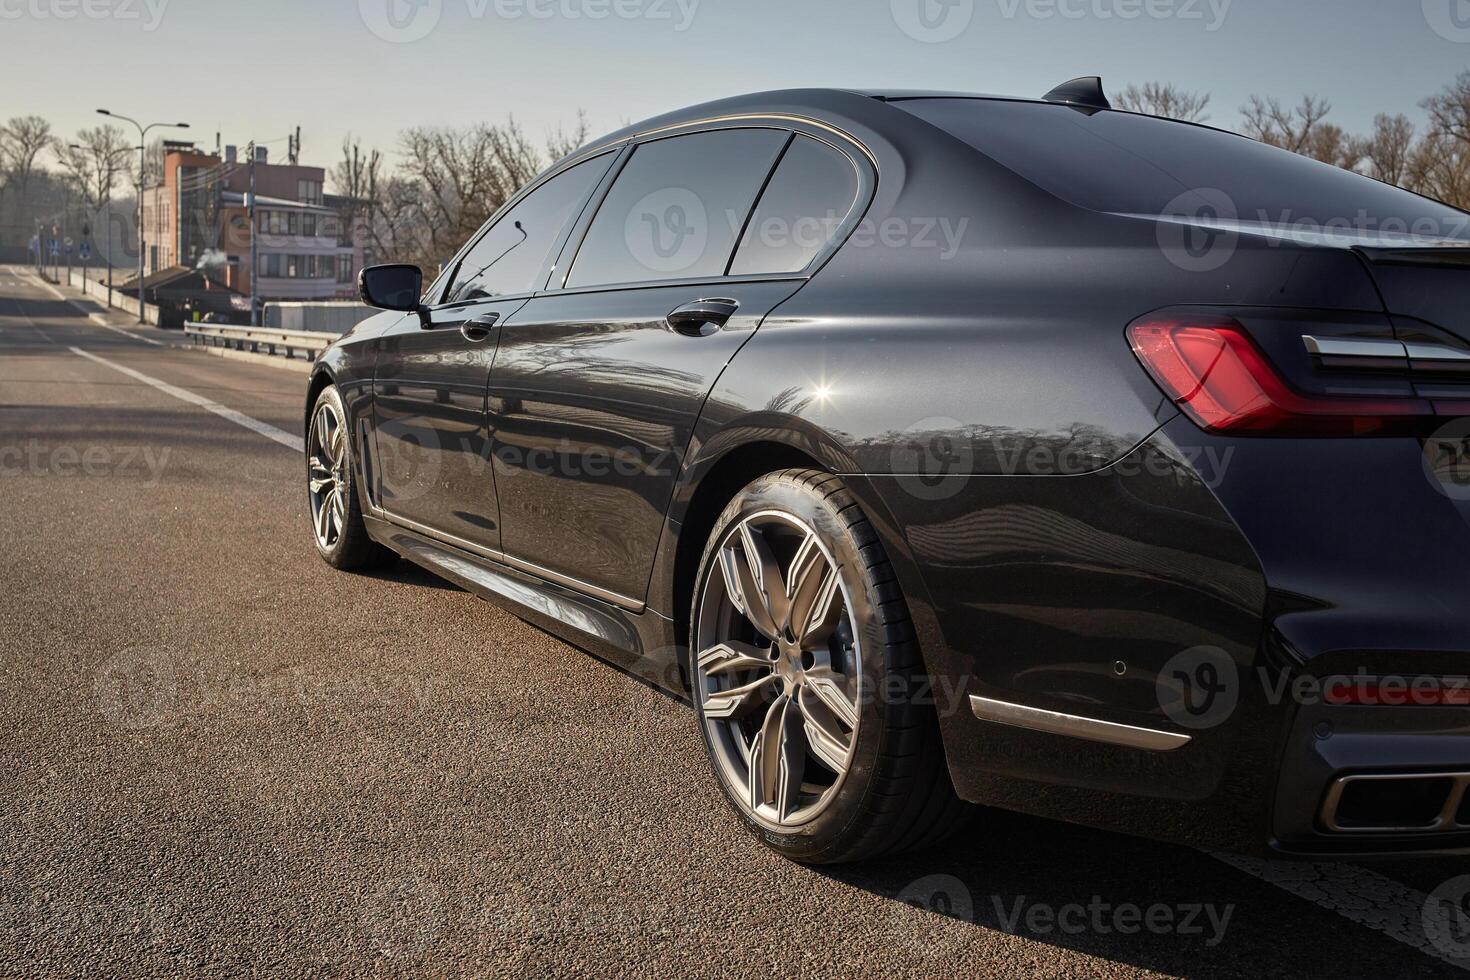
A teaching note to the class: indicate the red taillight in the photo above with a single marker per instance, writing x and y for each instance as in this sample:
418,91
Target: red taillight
1212,370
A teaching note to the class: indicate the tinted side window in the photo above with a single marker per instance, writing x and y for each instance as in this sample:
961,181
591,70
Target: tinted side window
812,191
675,210
512,255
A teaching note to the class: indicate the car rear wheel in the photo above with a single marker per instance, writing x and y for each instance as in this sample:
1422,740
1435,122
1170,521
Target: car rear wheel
808,681
331,486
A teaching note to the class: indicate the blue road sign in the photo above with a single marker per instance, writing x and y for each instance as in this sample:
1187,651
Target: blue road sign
51,245
86,251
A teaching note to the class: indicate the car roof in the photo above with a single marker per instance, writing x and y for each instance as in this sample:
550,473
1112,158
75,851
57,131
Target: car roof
900,94
867,105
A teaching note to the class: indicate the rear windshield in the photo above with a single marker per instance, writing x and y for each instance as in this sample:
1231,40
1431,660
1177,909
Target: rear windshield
1131,164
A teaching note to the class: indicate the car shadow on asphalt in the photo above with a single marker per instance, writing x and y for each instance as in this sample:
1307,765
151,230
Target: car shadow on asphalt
405,572
1154,906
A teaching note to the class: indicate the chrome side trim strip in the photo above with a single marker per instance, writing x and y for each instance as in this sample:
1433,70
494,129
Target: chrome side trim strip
576,585
1076,726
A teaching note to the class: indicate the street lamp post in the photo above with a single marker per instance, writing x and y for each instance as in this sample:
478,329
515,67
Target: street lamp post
142,165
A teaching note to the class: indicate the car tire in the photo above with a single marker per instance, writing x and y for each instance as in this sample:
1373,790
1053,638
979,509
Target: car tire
849,696
332,501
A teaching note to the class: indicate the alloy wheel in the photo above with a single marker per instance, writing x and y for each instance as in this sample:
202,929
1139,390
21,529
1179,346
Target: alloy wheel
327,475
778,669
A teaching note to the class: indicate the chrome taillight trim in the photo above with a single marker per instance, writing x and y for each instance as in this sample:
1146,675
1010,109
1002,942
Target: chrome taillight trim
1370,354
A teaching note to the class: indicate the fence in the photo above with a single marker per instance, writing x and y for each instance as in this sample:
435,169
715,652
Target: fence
261,340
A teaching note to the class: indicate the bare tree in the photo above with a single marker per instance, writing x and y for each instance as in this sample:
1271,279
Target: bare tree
455,179
1330,143
1449,111
562,142
95,166
22,140
1439,167
1166,100
356,179
1387,152
1291,129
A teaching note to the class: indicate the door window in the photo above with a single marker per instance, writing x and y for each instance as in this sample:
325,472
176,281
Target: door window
806,202
511,257
677,207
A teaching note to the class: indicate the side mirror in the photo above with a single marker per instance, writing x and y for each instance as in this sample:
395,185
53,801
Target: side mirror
392,287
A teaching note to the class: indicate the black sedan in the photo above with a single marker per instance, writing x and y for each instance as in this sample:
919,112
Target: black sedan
949,450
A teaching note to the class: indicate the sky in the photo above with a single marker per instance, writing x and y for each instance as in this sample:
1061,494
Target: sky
257,69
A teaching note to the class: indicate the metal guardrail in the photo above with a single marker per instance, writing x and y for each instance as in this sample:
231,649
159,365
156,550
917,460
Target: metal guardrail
287,343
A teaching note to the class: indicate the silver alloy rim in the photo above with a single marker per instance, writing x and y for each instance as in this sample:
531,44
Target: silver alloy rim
778,669
327,473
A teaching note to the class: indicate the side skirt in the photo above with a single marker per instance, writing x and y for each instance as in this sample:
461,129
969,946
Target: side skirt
640,644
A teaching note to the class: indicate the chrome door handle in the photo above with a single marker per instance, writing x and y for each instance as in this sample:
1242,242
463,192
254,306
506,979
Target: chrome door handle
692,319
479,328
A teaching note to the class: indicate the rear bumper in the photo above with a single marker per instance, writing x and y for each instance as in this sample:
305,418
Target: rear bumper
1413,752
1100,596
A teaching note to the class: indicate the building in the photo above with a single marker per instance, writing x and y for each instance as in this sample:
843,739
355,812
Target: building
198,217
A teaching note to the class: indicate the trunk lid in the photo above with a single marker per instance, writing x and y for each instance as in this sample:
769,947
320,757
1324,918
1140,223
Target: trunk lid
1426,290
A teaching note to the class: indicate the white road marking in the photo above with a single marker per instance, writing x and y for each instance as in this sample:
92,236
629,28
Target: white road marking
96,318
20,308
254,425
1369,899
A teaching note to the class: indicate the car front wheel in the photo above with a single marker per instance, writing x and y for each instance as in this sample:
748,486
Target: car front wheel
331,488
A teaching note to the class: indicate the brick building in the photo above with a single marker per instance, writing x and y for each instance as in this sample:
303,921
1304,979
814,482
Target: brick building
197,217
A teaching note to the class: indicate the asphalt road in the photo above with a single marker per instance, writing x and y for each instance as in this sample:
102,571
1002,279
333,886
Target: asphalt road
221,757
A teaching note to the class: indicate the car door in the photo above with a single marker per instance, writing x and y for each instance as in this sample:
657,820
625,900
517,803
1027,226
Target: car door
599,380
433,445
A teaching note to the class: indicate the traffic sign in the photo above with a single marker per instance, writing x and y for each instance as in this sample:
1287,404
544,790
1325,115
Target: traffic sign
67,246
86,251
51,245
